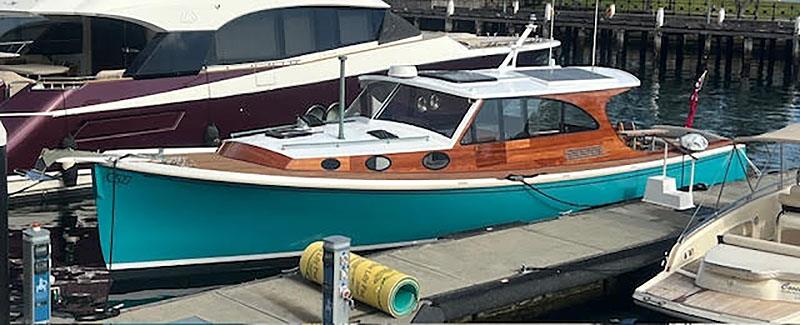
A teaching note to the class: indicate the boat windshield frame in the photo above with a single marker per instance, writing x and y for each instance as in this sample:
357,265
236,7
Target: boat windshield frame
432,110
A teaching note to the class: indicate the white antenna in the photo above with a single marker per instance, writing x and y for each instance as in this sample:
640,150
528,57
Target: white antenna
510,62
594,40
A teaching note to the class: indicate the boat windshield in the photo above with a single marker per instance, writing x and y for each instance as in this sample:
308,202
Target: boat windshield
37,46
425,108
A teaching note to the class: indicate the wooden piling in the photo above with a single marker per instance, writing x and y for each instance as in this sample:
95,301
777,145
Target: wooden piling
448,24
643,51
657,47
747,56
728,57
679,54
618,53
770,61
478,27
762,49
577,51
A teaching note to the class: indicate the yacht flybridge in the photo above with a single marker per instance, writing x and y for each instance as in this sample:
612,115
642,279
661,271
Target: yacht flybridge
104,74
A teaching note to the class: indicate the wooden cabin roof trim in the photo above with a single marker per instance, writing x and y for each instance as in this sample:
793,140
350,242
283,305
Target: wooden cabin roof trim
517,84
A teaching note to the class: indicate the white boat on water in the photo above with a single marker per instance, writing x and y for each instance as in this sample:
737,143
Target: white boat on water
743,265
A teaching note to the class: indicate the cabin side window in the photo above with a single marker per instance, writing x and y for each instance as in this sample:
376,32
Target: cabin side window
284,33
44,46
522,118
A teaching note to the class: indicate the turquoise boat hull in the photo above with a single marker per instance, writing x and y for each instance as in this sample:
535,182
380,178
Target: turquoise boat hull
151,221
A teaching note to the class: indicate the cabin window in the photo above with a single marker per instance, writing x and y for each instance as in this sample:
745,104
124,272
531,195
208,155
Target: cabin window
251,38
522,118
172,54
78,46
284,33
425,108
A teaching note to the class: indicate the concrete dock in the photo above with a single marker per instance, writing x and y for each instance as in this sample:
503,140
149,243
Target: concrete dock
473,277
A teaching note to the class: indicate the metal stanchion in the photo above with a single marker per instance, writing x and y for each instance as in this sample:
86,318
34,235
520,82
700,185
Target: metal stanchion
336,296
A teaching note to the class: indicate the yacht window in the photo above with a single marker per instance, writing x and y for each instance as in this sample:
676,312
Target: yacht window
58,42
252,38
284,33
371,99
396,28
428,109
172,54
522,118
357,26
298,32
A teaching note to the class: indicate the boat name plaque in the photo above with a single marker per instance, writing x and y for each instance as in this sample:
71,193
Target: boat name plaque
583,153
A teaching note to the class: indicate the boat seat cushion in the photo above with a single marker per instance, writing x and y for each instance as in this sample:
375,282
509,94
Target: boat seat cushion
791,199
752,264
787,221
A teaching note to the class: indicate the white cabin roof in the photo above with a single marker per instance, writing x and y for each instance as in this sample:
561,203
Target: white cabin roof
519,82
171,15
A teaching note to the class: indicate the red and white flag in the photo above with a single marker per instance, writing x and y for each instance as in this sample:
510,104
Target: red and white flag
694,99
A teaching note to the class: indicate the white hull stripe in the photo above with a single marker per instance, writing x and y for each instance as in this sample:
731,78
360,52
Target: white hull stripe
390,184
244,258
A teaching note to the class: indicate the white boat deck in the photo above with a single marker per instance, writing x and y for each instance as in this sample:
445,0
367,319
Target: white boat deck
491,259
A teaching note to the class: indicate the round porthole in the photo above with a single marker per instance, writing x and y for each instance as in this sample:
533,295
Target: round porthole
378,163
436,160
331,164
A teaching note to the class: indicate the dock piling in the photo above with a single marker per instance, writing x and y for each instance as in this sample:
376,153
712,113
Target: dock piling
336,294
747,57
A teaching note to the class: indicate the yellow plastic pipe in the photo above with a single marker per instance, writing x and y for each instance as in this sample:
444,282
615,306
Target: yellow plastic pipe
370,282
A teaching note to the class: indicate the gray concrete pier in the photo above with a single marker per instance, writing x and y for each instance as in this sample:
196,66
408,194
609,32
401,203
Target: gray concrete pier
478,276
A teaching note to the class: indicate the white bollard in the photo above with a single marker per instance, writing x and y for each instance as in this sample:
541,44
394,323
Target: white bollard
548,12
611,11
451,8
721,16
797,26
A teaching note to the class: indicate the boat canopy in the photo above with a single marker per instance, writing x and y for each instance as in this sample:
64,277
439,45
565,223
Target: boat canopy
788,134
520,82
171,15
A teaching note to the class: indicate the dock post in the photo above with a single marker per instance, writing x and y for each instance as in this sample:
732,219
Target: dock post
478,27
618,56
770,61
747,57
762,46
728,57
679,54
643,51
336,295
577,47
5,281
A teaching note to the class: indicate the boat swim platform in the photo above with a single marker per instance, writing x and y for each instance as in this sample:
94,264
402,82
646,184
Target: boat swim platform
470,277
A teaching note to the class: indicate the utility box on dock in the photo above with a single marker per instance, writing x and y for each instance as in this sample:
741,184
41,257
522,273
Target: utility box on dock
36,281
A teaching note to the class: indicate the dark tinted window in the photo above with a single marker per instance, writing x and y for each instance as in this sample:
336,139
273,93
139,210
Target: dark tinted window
396,28
522,118
284,33
250,38
425,108
172,54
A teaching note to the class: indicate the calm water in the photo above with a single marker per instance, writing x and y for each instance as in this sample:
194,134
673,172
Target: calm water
729,107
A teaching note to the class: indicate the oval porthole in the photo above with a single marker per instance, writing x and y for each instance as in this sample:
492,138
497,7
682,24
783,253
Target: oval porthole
331,164
378,163
436,160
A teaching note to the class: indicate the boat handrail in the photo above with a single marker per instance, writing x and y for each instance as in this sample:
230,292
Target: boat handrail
337,144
